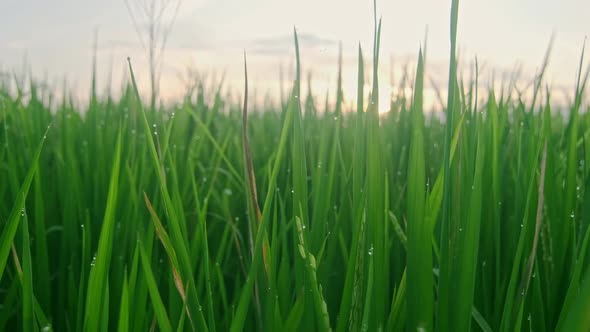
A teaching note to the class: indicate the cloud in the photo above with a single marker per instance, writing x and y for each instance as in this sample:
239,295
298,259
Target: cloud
283,44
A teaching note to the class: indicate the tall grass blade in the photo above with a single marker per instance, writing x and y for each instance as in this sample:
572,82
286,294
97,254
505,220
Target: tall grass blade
16,214
420,284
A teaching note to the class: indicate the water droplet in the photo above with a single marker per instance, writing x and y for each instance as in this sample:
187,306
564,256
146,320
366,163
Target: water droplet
303,226
533,275
460,229
82,226
155,133
371,250
335,118
292,191
237,218
521,225
200,308
296,97
521,124
319,164
46,328
572,215
154,125
227,192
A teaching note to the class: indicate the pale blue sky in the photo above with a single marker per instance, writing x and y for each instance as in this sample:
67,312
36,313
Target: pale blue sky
209,35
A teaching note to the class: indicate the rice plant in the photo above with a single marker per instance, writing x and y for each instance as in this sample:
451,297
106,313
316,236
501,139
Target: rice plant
214,216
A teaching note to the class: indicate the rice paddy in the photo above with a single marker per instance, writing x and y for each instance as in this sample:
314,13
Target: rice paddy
208,215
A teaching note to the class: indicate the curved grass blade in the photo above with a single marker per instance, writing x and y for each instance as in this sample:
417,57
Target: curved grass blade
172,212
246,293
9,230
249,167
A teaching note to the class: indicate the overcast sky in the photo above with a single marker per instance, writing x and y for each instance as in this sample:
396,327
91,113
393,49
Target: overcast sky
209,35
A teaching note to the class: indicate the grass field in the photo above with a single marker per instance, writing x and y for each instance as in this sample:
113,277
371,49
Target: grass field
305,217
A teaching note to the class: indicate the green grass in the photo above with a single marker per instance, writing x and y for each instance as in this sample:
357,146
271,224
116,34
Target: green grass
341,219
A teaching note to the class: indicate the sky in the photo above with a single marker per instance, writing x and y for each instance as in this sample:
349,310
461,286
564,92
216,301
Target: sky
55,40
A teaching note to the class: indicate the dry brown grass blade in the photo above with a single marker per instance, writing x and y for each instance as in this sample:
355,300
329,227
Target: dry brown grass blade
19,269
251,183
248,164
526,278
165,240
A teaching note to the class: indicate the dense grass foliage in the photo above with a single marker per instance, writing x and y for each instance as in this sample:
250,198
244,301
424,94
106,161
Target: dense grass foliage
203,216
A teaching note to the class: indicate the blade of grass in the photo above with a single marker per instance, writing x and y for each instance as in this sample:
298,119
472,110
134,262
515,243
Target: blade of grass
444,296
123,324
419,295
11,225
160,311
27,284
98,277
